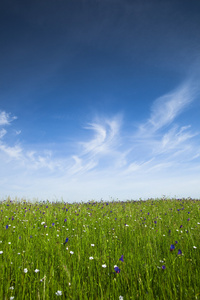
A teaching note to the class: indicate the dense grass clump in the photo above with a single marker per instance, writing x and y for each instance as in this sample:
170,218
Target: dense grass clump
100,250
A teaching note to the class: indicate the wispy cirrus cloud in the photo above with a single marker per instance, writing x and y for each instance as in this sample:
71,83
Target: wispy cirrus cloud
2,132
102,148
167,107
106,134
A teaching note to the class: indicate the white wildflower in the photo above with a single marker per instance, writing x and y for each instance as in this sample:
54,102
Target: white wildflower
59,293
36,270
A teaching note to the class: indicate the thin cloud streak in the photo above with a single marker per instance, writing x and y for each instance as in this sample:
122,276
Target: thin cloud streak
166,108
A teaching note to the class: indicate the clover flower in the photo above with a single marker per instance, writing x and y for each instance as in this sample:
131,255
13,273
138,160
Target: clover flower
58,293
36,270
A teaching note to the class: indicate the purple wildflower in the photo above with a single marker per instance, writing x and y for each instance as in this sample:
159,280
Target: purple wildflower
66,240
188,219
163,267
122,258
172,247
6,226
176,242
179,252
181,226
117,269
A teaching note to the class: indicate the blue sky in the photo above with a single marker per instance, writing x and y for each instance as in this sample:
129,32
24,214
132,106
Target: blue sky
99,99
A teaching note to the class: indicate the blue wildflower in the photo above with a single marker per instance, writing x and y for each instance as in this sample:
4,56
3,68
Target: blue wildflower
122,258
117,269
179,252
172,247
66,240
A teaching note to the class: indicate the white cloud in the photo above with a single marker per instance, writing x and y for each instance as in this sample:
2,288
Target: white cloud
106,134
17,132
2,132
166,108
12,152
5,118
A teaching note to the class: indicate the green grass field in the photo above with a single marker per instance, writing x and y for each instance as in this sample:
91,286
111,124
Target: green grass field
100,250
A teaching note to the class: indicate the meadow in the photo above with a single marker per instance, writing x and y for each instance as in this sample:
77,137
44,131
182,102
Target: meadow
100,250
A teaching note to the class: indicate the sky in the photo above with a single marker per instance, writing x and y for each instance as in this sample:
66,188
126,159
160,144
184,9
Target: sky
99,100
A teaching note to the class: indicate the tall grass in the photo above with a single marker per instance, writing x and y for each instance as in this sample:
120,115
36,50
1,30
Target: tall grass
99,250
